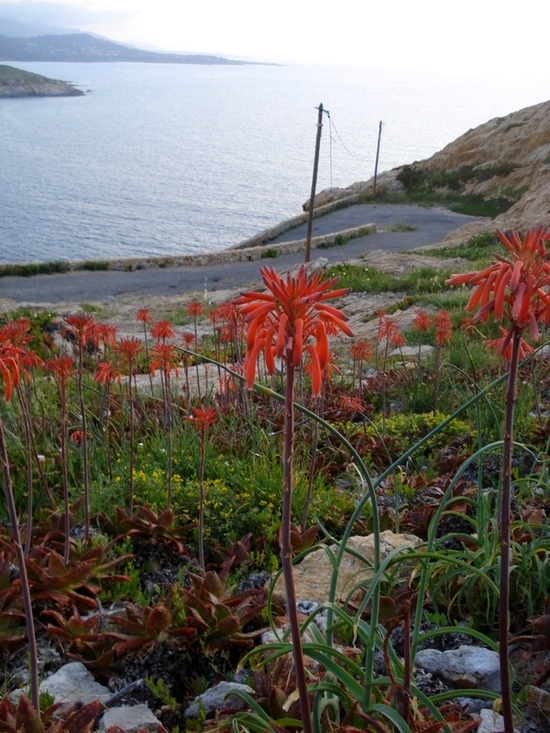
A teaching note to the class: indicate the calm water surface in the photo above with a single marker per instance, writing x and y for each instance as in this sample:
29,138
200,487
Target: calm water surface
165,159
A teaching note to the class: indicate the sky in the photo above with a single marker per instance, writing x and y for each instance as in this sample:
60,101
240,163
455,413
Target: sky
488,38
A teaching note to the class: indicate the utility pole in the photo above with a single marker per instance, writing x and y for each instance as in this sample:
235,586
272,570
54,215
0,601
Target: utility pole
314,182
377,155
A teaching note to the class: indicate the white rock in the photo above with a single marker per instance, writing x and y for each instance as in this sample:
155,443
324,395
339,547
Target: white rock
472,667
130,719
72,684
219,697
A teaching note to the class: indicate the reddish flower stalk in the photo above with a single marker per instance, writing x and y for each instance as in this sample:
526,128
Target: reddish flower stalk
129,349
516,288
187,340
202,419
82,328
164,358
361,351
194,309
388,332
289,319
443,335
422,323
144,316
107,374
62,368
9,370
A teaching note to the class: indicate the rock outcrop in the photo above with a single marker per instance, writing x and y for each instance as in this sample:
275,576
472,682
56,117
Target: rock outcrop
505,157
18,83
313,575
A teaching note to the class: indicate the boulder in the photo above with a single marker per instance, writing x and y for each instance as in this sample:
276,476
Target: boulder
312,576
73,685
470,667
219,697
131,719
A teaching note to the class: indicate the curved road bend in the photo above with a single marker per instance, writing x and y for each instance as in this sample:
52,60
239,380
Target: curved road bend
430,226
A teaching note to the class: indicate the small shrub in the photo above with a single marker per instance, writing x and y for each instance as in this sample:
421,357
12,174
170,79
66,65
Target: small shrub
94,265
269,253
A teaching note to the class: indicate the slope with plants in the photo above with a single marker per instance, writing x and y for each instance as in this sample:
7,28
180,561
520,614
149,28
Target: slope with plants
145,522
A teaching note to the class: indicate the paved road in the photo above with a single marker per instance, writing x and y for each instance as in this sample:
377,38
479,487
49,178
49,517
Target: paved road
430,226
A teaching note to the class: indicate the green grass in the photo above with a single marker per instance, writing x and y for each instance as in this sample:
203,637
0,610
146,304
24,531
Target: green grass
476,249
30,269
370,280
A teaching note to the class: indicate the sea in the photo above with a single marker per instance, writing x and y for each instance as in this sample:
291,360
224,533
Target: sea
163,159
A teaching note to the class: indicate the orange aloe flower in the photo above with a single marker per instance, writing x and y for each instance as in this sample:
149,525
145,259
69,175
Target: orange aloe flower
283,320
165,358
106,373
9,368
81,327
144,315
388,328
105,333
516,286
128,349
443,327
503,345
203,417
194,308
187,339
162,330
361,350
16,332
62,367
422,321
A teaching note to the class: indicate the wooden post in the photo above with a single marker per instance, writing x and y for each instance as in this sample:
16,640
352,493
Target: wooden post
314,183
377,156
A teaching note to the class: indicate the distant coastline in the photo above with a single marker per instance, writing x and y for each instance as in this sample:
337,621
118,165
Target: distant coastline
15,83
86,48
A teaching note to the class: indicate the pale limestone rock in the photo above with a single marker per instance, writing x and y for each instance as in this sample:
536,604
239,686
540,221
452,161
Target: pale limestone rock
491,722
471,667
312,576
131,719
73,685
218,697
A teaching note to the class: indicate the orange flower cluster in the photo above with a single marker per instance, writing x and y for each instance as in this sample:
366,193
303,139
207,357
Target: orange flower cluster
283,320
203,417
9,368
443,327
516,286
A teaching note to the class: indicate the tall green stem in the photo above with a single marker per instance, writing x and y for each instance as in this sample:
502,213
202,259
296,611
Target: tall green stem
286,549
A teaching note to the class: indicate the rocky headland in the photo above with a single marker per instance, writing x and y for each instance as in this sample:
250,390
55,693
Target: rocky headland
506,157
17,83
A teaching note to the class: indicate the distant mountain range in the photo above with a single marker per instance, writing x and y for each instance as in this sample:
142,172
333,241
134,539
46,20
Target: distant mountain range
84,47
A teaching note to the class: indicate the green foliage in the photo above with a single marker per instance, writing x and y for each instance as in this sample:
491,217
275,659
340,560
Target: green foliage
28,270
94,265
419,180
478,248
404,430
416,281
270,253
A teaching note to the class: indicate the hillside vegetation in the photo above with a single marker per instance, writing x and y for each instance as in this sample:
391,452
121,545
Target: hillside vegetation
18,83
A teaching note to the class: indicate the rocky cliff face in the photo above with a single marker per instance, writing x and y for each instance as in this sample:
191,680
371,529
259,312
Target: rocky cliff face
18,83
507,156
